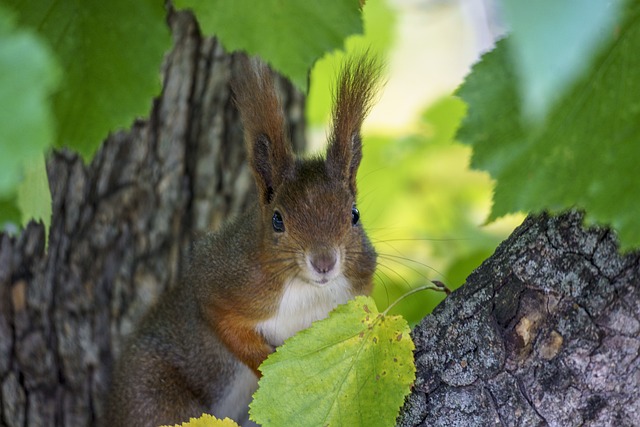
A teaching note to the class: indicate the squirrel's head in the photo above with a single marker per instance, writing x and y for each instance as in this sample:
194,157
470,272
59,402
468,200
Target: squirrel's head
311,227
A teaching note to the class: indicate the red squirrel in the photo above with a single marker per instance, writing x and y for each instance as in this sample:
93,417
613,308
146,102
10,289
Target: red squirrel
293,257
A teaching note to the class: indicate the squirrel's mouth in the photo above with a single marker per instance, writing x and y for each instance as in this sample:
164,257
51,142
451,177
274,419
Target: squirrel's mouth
322,266
321,279
324,280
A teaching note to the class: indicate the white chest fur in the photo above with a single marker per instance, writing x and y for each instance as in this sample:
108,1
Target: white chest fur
302,304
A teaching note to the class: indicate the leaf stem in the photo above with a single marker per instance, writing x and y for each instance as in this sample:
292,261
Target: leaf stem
434,286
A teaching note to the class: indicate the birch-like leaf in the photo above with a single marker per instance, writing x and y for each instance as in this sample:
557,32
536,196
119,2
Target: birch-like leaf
352,369
207,421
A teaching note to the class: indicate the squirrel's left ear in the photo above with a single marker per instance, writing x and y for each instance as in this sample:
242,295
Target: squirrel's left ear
269,151
356,87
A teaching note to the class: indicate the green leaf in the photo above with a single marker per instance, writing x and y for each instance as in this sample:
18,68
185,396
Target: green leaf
34,195
586,153
289,34
552,43
207,421
352,369
110,55
28,75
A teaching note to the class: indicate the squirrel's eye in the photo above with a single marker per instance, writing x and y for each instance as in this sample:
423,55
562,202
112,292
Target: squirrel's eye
355,215
278,223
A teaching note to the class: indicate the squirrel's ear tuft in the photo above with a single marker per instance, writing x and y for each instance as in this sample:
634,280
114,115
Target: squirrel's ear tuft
354,93
269,150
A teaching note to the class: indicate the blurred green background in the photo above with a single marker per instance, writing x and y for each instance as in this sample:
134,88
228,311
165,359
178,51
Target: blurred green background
421,205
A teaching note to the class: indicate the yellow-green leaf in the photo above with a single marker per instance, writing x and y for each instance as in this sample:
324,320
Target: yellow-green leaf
352,369
207,421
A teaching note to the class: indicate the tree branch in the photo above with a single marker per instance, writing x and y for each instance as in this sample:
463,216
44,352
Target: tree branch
545,332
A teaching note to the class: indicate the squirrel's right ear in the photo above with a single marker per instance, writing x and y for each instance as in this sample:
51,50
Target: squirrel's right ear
356,88
269,150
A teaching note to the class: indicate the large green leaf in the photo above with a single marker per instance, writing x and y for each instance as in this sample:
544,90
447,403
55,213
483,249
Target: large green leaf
352,369
28,75
110,54
552,43
586,153
289,34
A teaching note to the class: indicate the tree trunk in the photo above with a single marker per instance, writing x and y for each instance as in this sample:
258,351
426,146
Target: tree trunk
545,332
119,229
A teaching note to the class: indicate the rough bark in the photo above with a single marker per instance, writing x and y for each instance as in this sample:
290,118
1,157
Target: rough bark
118,230
545,332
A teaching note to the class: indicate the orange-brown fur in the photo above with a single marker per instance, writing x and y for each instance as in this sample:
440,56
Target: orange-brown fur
240,336
193,350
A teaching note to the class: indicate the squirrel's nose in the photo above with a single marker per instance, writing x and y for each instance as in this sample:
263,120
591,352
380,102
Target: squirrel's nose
324,261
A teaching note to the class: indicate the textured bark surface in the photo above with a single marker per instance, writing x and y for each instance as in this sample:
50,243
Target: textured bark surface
545,332
118,230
